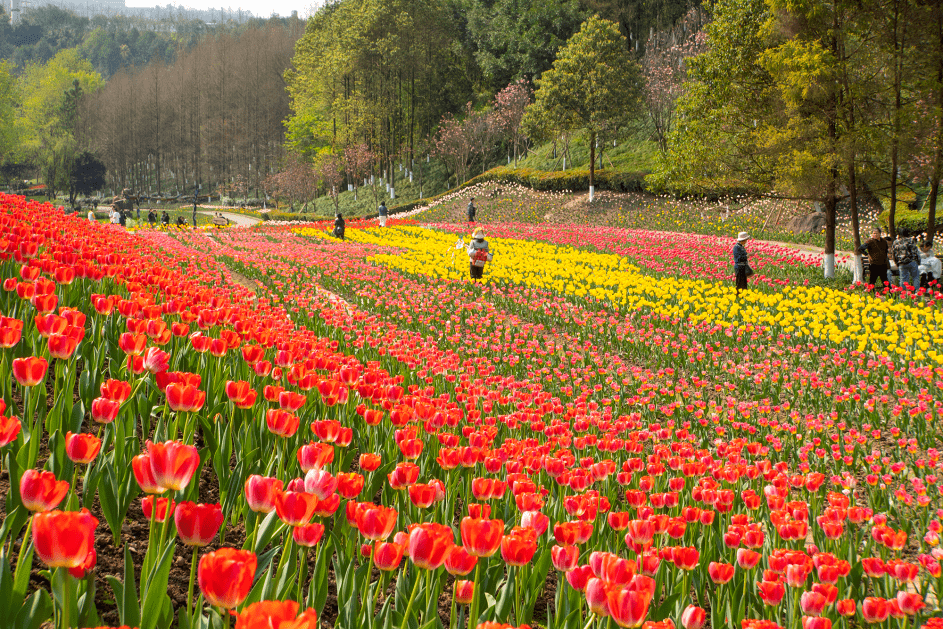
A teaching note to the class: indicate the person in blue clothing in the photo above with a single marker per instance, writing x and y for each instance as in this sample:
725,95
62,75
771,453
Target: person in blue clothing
741,265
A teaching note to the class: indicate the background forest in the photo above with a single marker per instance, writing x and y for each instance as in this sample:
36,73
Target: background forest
832,102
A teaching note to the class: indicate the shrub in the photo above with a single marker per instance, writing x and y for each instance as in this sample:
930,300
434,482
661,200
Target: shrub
914,220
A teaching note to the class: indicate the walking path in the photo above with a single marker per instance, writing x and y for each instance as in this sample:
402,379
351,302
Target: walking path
239,220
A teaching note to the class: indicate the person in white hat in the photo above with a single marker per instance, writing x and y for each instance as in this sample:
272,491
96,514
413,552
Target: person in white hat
478,254
741,266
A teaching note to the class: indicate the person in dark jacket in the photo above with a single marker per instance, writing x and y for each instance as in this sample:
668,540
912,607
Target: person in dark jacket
472,210
339,226
876,248
741,266
907,257
383,213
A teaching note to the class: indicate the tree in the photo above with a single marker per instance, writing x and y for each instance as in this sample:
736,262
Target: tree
665,71
508,109
454,145
8,135
330,169
49,95
87,176
594,84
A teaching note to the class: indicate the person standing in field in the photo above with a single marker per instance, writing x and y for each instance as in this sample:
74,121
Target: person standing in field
741,266
383,213
876,248
478,254
472,210
907,257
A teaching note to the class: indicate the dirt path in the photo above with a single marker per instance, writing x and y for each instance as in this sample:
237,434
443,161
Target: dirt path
239,220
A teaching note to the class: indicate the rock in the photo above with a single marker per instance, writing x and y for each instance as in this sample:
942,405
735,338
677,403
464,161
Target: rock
808,224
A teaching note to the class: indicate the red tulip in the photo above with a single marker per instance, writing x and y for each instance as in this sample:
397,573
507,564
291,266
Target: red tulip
812,603
375,522
173,463
814,622
225,576
349,484
430,544
519,546
772,592
64,539
597,596
564,558
82,448
9,430
29,371
874,610
720,572
116,390
307,535
387,555
481,538
460,562
845,607
267,614
281,422
628,605
132,344
421,495
105,411
693,617
369,462
261,491
464,592
62,346
685,558
321,483
910,602
164,507
40,491
314,456
295,508
579,577
184,398
141,466
198,524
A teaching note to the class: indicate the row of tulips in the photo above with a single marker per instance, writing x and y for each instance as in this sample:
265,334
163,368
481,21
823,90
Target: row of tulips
494,479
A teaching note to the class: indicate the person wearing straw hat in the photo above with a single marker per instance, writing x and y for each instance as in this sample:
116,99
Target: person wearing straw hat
478,253
741,266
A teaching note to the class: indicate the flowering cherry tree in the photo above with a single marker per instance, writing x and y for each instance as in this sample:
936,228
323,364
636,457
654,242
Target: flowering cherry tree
508,111
665,71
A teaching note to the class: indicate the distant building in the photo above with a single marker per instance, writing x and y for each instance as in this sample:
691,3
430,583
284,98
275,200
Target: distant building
82,7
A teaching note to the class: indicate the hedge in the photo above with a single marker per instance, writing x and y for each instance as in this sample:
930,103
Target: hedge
914,220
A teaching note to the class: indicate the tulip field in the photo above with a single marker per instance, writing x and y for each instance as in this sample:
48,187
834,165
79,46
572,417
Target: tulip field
268,427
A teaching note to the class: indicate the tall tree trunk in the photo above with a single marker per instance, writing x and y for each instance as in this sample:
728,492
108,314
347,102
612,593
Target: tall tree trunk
895,140
938,148
592,164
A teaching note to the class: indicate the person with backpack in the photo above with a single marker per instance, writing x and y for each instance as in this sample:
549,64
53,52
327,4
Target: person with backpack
339,226
907,257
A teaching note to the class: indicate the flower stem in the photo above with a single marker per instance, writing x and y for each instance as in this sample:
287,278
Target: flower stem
190,587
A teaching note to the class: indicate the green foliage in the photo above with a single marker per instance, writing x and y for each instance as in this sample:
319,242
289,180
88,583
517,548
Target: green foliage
905,218
8,135
514,39
594,84
633,152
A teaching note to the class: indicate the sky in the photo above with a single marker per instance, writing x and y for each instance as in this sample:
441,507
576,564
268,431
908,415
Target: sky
259,8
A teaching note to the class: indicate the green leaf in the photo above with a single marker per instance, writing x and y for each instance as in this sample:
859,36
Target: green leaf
6,592
36,611
157,589
126,594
